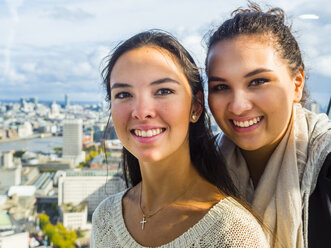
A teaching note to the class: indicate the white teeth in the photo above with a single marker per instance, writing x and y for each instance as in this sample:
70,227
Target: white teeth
147,133
246,123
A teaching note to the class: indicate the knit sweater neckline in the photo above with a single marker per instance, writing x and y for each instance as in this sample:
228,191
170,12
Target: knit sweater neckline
186,239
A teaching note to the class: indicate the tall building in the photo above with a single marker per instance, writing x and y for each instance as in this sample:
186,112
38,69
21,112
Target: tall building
72,141
72,137
66,101
10,172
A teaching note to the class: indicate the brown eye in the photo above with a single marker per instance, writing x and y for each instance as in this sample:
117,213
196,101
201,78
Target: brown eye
122,95
258,81
220,87
164,92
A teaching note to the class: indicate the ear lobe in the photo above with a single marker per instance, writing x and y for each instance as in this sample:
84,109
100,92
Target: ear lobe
299,83
197,107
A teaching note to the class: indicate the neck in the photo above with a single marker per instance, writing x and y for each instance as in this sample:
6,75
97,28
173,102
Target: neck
165,180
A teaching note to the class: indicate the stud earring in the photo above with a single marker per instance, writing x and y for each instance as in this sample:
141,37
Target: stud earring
194,117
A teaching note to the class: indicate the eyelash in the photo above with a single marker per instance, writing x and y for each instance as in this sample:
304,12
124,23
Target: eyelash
160,92
122,95
259,81
219,87
254,82
164,91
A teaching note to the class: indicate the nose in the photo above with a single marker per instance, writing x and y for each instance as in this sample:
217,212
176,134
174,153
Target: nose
240,103
143,109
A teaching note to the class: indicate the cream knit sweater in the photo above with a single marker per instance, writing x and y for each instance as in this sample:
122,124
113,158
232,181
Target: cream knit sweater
227,224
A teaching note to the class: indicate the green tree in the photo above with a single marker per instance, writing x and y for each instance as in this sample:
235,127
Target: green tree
58,149
58,234
44,221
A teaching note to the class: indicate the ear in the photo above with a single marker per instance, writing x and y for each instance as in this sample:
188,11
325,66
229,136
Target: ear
299,83
197,107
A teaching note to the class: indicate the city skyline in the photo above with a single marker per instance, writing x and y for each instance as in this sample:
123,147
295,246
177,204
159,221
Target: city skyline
53,48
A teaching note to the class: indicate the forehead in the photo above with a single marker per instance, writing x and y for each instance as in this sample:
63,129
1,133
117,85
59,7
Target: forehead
147,61
249,51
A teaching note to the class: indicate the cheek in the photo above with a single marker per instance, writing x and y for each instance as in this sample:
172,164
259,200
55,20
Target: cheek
217,106
176,113
277,105
120,117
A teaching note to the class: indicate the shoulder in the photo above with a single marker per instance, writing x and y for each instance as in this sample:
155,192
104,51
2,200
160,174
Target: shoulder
108,205
236,226
107,211
104,219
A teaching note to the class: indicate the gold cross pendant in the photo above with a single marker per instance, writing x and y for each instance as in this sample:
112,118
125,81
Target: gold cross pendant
143,222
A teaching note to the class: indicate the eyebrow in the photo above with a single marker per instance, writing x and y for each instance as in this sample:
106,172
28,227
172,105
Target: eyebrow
252,73
257,71
216,79
156,82
120,85
164,80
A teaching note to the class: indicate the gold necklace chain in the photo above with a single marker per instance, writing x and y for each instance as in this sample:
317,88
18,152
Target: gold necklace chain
145,216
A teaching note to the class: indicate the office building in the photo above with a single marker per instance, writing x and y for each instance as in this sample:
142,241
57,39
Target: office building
72,141
90,186
73,216
66,101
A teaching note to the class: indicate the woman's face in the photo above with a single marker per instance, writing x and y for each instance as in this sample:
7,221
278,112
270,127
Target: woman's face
251,91
151,104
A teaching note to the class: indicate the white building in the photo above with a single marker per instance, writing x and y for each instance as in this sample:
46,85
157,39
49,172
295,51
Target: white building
90,186
72,141
74,216
9,177
10,171
6,159
25,130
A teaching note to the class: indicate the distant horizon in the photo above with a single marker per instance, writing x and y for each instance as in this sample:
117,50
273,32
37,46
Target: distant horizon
50,101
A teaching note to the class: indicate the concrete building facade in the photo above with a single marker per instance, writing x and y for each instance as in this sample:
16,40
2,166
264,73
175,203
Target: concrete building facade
90,186
72,141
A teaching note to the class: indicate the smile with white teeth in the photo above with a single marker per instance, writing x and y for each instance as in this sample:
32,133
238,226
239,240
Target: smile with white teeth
147,133
246,123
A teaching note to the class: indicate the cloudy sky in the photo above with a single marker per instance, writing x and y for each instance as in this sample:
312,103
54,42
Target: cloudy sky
49,48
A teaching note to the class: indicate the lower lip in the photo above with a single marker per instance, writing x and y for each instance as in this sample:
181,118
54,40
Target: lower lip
247,129
147,140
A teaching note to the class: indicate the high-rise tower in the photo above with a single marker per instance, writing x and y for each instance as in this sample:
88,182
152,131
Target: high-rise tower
72,141
66,101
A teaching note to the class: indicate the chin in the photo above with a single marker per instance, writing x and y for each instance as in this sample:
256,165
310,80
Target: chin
248,146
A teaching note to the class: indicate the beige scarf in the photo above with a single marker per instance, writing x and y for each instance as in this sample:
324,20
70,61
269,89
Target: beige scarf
279,198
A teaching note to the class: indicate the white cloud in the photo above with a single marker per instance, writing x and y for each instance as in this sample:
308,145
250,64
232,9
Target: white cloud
63,13
322,65
309,16
82,69
193,43
29,67
13,77
96,57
